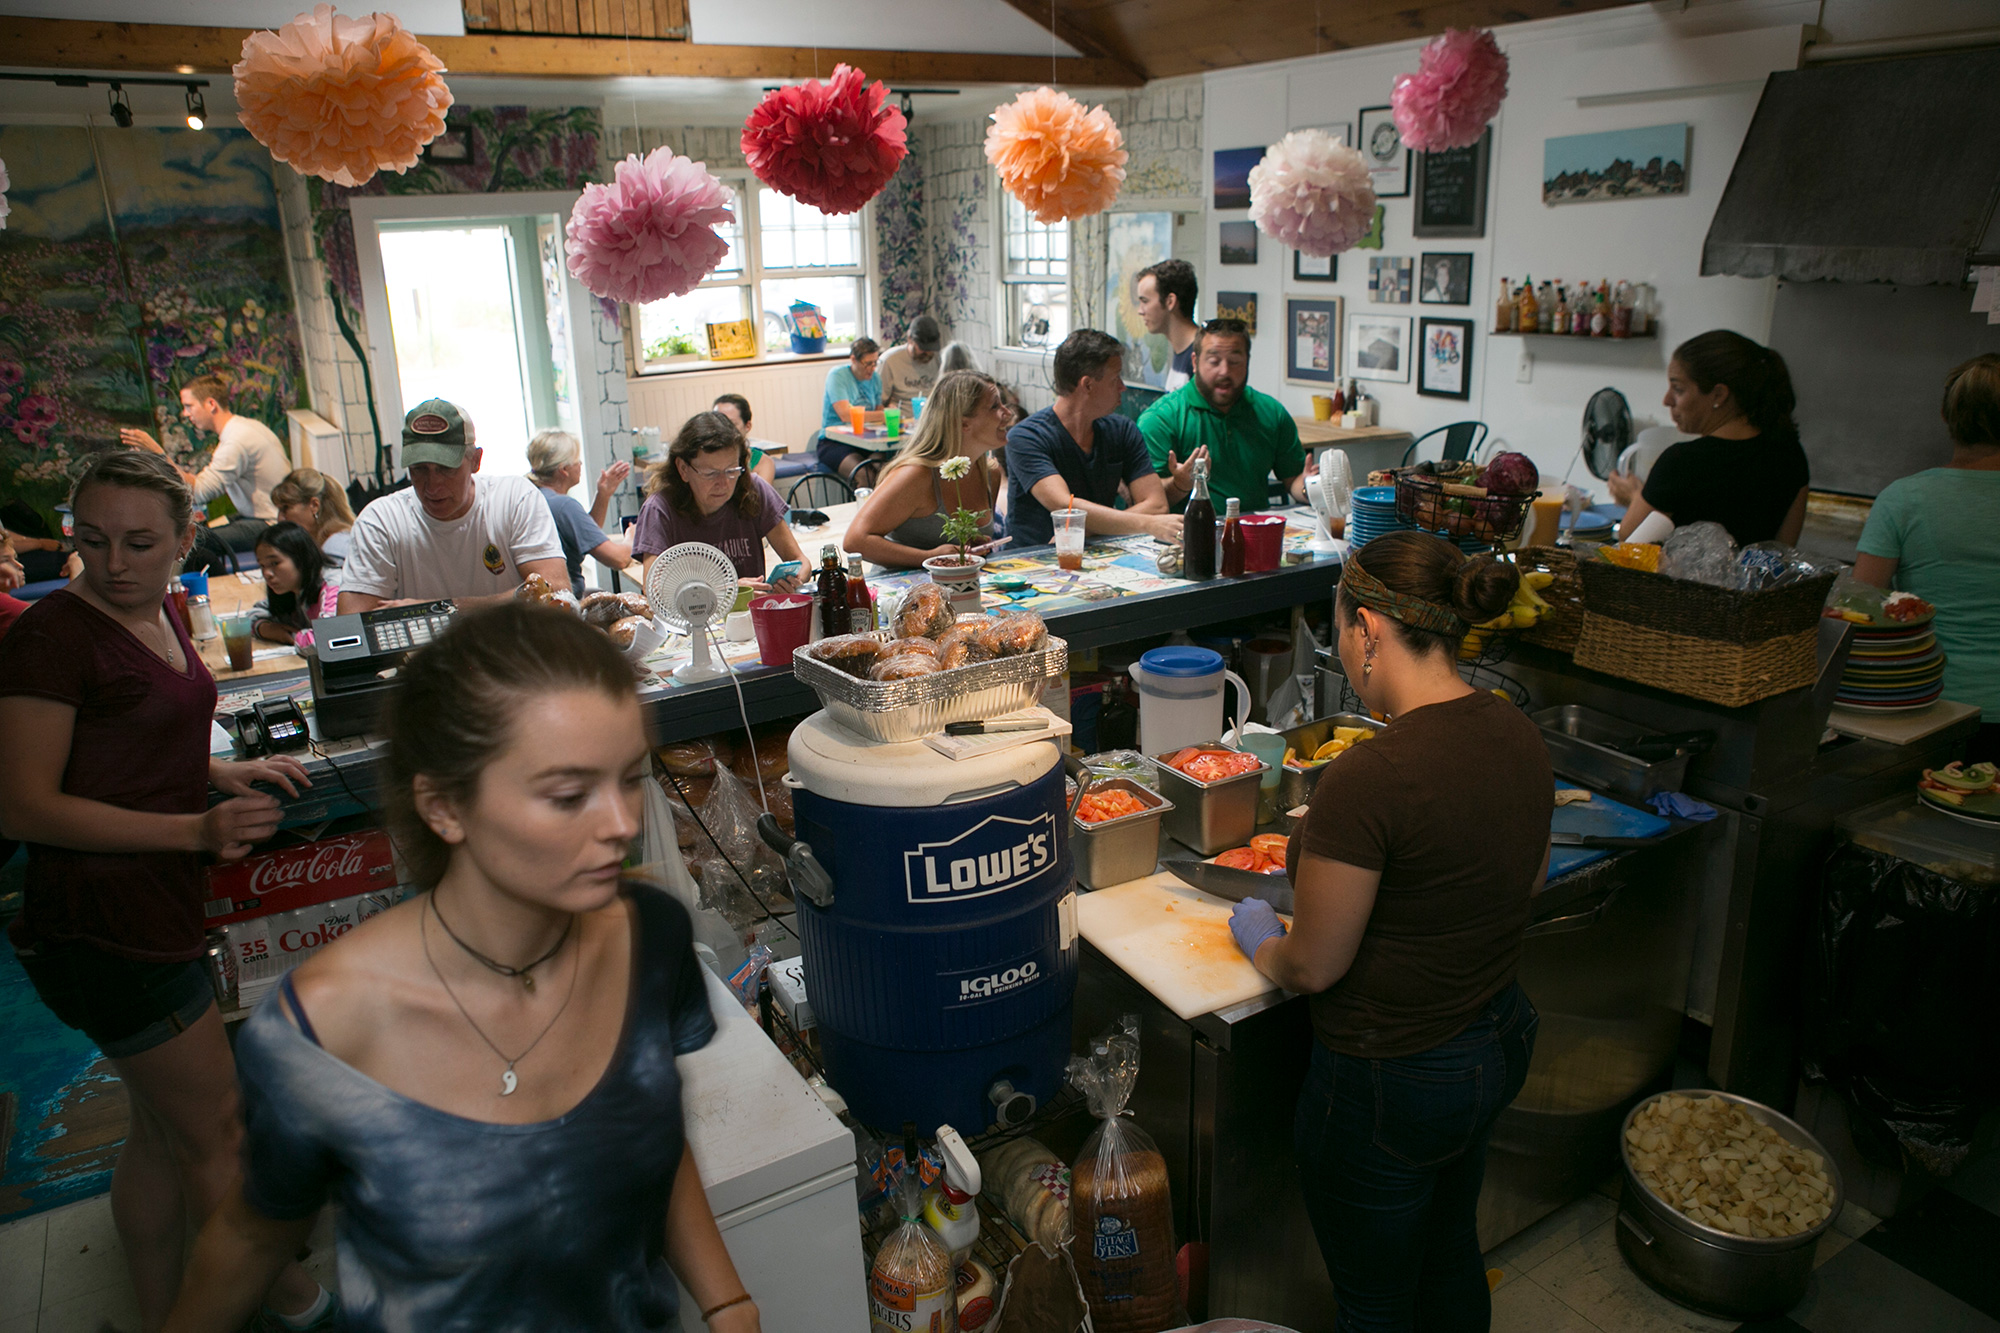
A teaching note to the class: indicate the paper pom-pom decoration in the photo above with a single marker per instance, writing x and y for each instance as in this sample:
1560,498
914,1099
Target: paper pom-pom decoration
341,98
3,196
1461,80
650,234
1058,159
833,145
1312,192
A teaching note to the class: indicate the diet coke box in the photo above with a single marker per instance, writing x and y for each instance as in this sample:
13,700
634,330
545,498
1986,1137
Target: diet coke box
266,947
295,877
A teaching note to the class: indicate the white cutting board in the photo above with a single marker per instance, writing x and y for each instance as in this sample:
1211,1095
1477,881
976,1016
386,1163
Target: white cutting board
1174,940
1898,728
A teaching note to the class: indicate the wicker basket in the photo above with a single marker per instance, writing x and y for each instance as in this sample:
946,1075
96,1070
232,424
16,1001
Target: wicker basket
1454,509
1562,624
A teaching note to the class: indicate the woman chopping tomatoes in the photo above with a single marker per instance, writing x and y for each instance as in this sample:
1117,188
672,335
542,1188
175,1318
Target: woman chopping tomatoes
1412,873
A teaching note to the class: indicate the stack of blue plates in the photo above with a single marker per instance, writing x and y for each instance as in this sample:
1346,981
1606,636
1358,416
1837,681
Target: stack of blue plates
1371,513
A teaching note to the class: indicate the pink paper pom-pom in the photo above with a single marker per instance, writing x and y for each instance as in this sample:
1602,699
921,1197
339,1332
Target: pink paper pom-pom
341,98
833,145
650,234
1059,160
1461,80
3,196
1312,192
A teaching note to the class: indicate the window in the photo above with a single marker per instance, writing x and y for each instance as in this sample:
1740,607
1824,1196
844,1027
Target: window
780,251
1034,279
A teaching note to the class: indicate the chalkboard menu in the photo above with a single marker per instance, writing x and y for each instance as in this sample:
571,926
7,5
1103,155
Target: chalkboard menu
1451,190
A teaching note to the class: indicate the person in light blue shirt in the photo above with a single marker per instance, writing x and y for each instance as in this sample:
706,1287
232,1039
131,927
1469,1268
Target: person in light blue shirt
848,387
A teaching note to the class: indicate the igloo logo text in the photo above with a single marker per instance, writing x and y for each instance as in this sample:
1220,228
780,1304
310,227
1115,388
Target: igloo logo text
996,854
999,983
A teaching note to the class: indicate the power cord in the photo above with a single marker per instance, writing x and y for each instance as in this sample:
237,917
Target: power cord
770,913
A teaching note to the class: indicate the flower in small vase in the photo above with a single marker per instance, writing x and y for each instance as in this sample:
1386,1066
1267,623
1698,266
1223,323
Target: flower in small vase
961,526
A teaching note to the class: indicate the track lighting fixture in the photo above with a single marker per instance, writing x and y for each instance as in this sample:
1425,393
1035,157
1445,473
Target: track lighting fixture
196,109
121,110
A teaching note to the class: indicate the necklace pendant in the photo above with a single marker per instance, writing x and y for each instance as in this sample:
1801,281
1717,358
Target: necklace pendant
508,1082
528,980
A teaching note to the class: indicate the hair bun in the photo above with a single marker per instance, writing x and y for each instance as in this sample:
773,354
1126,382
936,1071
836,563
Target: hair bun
1482,588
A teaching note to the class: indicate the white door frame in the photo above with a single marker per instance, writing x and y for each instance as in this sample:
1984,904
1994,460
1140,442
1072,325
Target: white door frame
597,451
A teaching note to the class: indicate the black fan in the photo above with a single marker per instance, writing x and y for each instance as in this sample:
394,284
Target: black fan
1607,431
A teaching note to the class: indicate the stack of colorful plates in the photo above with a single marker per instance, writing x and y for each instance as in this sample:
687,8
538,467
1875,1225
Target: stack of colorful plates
1893,667
1371,513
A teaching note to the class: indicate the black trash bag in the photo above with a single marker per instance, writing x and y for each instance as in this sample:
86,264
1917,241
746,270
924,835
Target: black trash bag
1902,989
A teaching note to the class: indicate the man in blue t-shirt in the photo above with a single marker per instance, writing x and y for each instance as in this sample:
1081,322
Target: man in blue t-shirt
1075,454
847,387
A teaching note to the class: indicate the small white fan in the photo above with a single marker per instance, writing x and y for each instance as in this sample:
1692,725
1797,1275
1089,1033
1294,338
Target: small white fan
1329,491
691,586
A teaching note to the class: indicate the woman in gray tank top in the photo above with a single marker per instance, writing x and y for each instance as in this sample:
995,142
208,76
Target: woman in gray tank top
902,524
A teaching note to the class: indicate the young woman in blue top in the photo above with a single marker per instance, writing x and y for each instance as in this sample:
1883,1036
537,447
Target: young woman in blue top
484,1076
848,387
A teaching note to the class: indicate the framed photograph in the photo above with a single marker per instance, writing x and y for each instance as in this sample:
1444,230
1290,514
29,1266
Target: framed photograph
1378,347
1382,144
1444,358
1616,164
1311,268
1238,305
1389,279
1232,175
1451,190
1239,242
1342,130
1447,279
1312,341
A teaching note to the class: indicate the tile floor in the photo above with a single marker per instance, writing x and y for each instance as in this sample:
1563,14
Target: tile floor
1931,1269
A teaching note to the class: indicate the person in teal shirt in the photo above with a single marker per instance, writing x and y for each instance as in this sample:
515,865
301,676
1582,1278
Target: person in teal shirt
850,386
1937,534
1246,436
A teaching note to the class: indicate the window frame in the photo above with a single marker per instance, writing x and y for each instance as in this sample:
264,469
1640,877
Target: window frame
753,275
1008,328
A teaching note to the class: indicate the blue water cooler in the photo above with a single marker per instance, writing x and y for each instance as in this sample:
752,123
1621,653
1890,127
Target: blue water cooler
943,969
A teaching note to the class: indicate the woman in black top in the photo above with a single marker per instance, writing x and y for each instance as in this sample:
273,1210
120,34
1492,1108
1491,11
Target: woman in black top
1747,471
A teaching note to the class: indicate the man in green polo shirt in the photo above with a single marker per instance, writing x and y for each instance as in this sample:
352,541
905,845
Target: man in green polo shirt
1245,435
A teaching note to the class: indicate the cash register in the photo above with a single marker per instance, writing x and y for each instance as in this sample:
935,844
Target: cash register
355,659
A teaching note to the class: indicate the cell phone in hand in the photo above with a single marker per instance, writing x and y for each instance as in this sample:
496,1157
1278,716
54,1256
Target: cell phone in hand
789,569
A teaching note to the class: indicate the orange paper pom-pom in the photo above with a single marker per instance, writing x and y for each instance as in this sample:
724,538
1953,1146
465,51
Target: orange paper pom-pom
341,98
1059,160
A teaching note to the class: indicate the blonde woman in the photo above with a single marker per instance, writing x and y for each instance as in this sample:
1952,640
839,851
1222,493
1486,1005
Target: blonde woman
555,462
902,524
316,503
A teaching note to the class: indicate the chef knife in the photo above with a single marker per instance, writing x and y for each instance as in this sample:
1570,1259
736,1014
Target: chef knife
1235,885
1561,839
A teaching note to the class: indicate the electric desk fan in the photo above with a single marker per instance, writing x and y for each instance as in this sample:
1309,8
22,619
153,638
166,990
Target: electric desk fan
690,587
1329,492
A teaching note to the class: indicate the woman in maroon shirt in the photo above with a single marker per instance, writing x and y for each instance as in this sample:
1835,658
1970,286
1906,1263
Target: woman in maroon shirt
105,712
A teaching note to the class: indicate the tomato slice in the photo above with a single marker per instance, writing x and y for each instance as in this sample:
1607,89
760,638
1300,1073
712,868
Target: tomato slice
1272,845
1238,858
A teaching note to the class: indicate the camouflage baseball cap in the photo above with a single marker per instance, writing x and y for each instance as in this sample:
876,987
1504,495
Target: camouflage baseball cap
434,432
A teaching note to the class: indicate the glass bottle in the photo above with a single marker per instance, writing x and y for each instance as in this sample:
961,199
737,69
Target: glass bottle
1561,322
1232,540
1504,313
1545,297
178,594
831,586
1198,529
1531,309
860,602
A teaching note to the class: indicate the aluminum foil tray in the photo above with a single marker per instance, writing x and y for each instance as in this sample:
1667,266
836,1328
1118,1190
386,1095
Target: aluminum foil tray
909,710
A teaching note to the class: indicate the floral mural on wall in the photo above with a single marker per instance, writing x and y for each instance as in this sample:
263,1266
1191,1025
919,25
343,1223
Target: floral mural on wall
900,250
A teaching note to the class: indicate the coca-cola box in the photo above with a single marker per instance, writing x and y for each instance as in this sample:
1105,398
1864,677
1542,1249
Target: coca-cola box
303,876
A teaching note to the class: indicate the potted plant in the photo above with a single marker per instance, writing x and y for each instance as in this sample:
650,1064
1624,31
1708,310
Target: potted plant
675,347
958,574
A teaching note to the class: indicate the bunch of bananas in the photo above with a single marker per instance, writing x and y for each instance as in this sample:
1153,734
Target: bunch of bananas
1522,613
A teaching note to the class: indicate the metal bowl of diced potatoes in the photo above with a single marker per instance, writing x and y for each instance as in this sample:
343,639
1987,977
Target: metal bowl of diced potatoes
1724,1202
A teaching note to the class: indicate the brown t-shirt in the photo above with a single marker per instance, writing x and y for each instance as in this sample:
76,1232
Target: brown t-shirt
1451,802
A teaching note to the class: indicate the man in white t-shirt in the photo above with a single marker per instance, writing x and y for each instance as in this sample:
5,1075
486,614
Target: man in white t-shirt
910,370
449,537
248,461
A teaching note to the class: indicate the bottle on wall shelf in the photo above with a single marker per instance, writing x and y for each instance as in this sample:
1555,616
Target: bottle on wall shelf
1621,310
1600,314
1579,313
1642,309
1545,298
1503,314
1232,540
1531,309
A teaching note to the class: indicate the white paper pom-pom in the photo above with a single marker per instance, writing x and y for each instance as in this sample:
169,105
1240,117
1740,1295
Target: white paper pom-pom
1313,193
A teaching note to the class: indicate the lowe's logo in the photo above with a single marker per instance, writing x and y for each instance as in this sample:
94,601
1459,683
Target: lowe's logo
992,856
999,983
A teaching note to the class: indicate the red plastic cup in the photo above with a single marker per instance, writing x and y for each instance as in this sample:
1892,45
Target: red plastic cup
783,624
1263,541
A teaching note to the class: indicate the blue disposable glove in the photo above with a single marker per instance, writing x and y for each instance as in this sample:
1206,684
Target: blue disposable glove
1252,923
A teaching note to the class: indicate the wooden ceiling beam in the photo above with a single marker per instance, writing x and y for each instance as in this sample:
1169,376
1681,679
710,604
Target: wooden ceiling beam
1086,42
34,43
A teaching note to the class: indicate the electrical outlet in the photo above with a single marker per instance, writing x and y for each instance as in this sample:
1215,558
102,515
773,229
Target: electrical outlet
1524,372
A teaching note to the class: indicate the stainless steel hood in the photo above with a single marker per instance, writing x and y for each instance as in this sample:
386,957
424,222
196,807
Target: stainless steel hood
1883,171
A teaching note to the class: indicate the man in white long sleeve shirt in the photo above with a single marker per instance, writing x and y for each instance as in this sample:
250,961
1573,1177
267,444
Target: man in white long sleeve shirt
248,461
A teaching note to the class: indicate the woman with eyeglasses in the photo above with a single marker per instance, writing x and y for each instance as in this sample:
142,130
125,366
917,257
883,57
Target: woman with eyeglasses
902,524
704,491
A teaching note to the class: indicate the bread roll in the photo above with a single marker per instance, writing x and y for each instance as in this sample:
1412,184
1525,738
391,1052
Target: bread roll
901,647
624,631
1019,632
968,642
1031,1186
852,653
924,613
688,759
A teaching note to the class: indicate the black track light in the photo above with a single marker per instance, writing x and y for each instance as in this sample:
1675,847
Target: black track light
197,110
121,110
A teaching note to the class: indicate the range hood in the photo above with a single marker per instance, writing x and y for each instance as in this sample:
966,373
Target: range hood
1877,172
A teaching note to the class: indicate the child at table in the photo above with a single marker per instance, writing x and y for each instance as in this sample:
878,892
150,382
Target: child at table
298,587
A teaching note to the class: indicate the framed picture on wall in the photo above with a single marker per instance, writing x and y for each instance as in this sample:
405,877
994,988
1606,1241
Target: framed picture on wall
1239,242
1444,358
1389,279
1232,176
1382,144
1312,341
1378,347
1238,305
1447,279
1451,190
1341,130
1312,268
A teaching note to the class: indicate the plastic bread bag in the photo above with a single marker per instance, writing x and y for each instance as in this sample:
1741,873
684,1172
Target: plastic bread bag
731,815
913,1284
1120,1208
1041,1295
1030,1185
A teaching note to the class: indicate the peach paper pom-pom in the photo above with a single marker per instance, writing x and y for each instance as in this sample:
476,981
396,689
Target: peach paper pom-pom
650,234
1312,192
833,145
341,98
1059,160
1461,80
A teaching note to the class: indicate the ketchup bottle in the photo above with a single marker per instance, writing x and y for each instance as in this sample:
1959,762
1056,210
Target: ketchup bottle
1232,540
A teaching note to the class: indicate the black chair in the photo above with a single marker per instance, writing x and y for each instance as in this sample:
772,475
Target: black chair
1461,441
817,490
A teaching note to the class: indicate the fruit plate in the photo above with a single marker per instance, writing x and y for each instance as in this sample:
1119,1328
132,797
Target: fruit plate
1982,808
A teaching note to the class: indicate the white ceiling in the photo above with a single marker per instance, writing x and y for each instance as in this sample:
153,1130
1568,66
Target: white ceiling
423,16
986,26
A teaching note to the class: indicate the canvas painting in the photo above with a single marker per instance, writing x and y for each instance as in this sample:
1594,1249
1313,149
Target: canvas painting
1389,279
1379,347
1232,175
1239,242
1136,241
1615,164
1312,341
1445,351
1238,305
1447,279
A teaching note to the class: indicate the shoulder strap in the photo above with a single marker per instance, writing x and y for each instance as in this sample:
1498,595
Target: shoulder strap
290,998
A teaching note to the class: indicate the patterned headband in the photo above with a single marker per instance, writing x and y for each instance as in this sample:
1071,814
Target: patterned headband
1369,591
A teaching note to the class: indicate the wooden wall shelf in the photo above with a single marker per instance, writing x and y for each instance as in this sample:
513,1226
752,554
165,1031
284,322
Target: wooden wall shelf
1648,336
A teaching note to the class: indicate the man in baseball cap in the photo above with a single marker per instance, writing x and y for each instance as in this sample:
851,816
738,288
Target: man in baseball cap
450,536
910,368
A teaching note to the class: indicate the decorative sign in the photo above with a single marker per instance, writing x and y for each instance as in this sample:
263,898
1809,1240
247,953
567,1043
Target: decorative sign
1451,190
